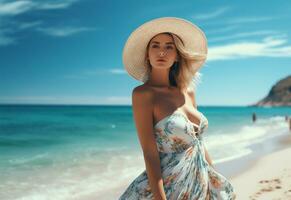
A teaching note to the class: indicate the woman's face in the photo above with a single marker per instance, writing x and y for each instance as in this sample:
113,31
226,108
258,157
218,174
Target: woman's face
162,52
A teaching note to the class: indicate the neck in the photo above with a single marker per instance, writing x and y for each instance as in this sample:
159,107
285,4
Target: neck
159,77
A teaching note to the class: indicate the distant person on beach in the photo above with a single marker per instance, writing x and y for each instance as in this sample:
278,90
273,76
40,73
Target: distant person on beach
166,54
288,120
254,117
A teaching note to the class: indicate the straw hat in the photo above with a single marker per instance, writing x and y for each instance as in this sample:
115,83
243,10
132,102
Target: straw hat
134,50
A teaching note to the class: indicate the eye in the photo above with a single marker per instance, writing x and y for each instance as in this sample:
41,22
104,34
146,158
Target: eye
170,47
154,46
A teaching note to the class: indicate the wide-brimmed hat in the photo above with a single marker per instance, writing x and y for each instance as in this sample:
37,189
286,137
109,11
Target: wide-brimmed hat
134,51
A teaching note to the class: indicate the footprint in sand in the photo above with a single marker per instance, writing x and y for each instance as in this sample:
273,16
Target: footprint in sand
287,194
267,186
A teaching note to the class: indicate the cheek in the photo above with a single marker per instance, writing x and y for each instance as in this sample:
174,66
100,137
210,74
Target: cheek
173,54
152,53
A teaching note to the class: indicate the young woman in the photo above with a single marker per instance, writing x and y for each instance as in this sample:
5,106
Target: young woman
165,54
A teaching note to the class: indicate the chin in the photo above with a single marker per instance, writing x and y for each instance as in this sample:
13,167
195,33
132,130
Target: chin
162,65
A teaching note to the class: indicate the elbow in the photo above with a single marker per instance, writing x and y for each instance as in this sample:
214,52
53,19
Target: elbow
150,158
152,161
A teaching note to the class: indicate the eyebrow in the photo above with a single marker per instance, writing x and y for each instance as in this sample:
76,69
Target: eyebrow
159,43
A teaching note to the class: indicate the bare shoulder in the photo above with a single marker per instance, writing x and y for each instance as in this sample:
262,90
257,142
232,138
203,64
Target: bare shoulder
142,90
142,93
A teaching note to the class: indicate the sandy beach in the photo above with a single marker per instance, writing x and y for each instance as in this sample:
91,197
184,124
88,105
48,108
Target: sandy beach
267,178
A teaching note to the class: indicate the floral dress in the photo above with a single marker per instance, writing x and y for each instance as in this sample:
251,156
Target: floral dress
186,173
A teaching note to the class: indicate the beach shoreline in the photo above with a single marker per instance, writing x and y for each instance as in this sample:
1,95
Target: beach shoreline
266,175
233,168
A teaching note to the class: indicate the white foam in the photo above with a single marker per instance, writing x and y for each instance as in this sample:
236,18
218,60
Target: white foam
227,146
27,159
84,179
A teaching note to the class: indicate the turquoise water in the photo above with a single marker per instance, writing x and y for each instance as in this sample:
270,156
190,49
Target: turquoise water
61,150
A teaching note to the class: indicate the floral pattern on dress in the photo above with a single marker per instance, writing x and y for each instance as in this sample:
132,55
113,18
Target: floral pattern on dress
185,170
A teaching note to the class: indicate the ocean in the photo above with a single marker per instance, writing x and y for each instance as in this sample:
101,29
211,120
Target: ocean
84,152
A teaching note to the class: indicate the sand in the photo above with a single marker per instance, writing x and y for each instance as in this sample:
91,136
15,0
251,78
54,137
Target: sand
269,178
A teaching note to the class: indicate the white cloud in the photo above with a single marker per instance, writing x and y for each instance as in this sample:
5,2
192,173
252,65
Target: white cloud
218,12
63,31
242,35
9,25
26,25
7,29
249,19
15,8
234,21
268,47
117,71
56,5
93,73
79,100
222,30
117,100
22,6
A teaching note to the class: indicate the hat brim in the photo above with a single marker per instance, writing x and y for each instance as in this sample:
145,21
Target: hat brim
134,50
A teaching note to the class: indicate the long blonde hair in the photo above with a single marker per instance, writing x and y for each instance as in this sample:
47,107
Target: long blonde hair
181,74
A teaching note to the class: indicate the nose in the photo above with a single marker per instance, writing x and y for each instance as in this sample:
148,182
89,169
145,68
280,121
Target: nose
162,53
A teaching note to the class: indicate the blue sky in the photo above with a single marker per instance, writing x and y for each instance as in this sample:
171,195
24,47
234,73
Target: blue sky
70,51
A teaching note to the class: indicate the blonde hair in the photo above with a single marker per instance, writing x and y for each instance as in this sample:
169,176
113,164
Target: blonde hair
186,75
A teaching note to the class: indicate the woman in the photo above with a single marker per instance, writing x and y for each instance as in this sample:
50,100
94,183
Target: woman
165,54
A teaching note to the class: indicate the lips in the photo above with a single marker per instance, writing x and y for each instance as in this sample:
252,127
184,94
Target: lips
161,60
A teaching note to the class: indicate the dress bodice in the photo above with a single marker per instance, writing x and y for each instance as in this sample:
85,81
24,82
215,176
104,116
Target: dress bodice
176,133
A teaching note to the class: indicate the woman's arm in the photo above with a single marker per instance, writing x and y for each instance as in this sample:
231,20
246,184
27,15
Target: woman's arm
142,103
